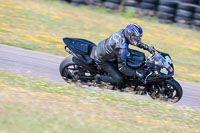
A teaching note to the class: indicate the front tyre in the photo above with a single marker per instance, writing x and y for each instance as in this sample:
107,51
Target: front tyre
169,90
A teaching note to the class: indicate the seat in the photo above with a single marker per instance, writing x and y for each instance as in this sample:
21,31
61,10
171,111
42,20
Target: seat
81,48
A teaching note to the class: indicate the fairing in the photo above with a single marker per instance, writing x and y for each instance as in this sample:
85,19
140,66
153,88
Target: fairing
135,58
164,63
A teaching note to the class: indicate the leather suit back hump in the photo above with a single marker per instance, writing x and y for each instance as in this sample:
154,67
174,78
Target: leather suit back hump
108,48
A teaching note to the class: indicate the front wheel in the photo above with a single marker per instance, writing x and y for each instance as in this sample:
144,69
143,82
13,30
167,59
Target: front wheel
169,90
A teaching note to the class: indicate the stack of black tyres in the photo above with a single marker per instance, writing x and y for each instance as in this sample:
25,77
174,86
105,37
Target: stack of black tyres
149,7
166,11
196,18
130,4
102,3
77,2
112,4
190,1
184,14
92,2
66,0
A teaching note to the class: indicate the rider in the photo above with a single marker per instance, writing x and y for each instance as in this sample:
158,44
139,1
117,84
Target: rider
116,47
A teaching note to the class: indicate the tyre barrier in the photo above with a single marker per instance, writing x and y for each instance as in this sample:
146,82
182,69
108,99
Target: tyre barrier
185,13
112,4
190,1
148,7
84,2
196,18
92,2
77,2
130,4
166,11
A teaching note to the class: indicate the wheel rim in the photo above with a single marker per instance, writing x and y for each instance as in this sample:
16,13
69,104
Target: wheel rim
73,72
164,92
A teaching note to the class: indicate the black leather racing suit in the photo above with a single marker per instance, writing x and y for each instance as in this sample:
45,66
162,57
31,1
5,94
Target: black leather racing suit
115,47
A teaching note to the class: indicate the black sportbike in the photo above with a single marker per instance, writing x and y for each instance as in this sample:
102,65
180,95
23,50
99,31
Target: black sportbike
158,81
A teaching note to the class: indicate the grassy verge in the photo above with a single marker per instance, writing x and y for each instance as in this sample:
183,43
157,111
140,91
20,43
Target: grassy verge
40,25
35,105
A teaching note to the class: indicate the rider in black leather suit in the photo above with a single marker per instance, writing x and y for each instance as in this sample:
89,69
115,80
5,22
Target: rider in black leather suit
116,47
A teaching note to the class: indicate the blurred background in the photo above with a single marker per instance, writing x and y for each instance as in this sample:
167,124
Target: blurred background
183,12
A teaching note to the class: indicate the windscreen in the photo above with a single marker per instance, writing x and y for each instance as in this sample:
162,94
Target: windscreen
160,60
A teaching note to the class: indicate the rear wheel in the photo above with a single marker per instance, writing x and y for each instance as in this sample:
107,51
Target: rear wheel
169,90
71,71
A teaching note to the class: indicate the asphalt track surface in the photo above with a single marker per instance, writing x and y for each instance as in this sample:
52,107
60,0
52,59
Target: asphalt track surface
22,61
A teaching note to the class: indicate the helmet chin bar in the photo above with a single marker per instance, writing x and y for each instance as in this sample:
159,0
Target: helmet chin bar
133,41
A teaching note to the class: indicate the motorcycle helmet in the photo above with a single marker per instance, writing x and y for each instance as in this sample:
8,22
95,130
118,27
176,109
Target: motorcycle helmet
133,33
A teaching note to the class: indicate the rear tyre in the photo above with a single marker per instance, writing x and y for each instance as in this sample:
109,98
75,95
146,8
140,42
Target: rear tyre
148,6
151,1
163,20
114,1
131,3
185,6
184,13
168,3
190,1
197,9
197,16
72,70
196,22
111,5
183,20
165,15
166,9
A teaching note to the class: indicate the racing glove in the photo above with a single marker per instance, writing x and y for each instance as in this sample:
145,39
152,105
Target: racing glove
151,49
146,47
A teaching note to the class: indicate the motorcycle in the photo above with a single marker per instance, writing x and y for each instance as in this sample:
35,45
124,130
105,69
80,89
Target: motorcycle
158,81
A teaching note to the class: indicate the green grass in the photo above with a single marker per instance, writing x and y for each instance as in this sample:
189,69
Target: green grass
41,24
36,105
